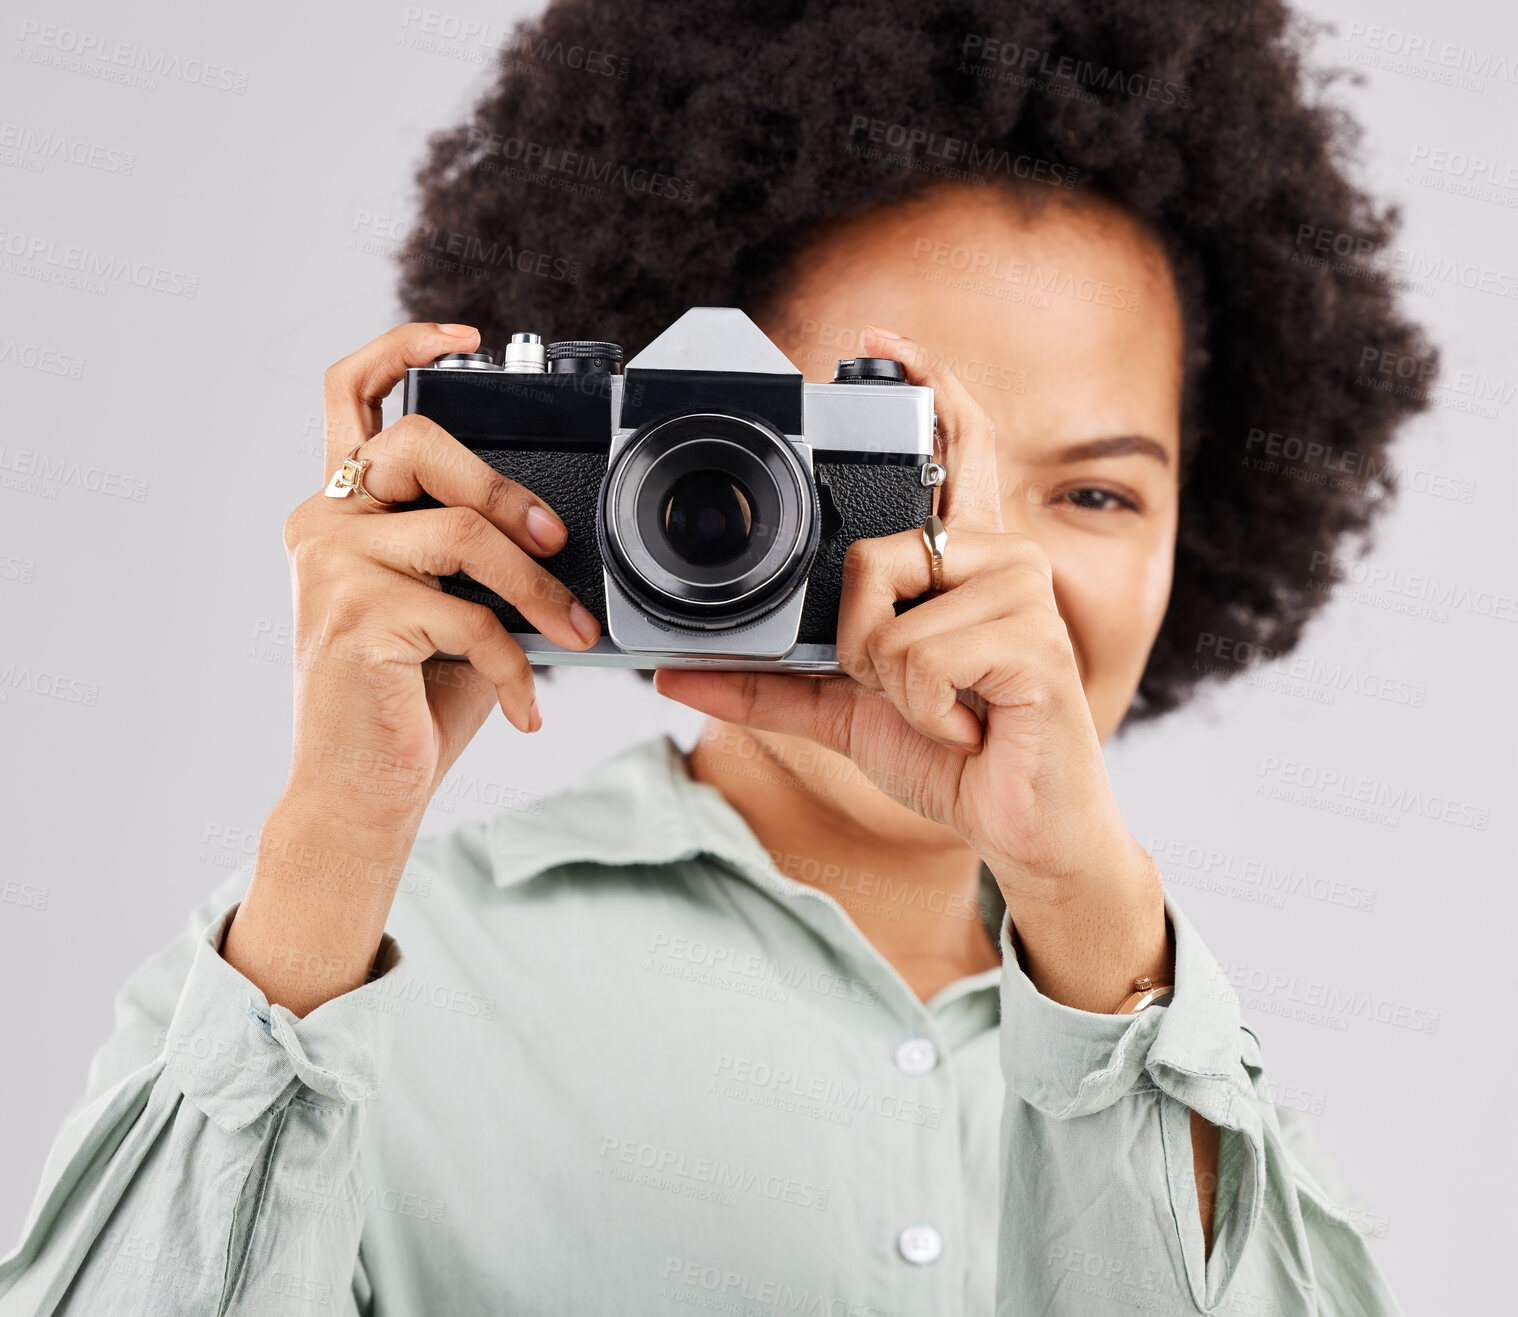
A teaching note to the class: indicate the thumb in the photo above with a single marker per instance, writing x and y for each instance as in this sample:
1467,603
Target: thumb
820,708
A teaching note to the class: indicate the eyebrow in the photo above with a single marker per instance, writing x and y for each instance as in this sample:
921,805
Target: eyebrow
1122,445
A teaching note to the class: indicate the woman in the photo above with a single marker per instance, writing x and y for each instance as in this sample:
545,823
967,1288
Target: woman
852,1009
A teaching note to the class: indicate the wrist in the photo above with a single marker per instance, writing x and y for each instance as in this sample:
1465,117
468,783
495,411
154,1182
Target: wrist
318,856
1086,948
311,922
332,813
367,789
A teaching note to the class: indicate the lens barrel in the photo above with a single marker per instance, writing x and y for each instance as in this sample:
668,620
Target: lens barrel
708,521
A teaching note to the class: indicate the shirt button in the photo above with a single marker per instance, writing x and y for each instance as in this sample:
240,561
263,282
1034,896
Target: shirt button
916,1056
920,1245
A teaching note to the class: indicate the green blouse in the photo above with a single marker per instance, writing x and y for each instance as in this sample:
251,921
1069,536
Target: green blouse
613,1060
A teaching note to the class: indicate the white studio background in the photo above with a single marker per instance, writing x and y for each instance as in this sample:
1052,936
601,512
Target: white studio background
158,601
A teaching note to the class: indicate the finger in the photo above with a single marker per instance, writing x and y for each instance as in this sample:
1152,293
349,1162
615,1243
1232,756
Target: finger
416,456
461,699
436,623
1008,664
1017,595
354,388
936,667
964,441
884,569
819,708
431,542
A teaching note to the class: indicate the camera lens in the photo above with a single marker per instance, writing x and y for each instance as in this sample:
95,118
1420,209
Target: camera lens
708,520
708,517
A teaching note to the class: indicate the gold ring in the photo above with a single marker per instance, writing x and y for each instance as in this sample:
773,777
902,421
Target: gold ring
349,479
934,537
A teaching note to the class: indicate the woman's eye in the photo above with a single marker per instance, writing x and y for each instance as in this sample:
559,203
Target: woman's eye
1090,498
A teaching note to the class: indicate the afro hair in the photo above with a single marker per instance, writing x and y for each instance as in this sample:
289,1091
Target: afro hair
632,158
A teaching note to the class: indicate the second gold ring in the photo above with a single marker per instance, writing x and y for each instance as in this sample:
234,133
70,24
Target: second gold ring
935,536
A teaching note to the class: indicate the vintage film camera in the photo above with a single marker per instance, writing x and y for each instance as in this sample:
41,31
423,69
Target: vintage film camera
709,492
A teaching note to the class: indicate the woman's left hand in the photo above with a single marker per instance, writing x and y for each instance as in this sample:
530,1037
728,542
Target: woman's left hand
1027,789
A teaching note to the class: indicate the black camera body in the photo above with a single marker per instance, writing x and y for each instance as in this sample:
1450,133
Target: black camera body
709,493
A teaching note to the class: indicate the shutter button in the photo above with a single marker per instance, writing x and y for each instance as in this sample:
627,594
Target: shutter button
920,1245
916,1056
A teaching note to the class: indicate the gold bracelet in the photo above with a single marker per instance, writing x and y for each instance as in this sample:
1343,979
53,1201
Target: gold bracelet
1145,993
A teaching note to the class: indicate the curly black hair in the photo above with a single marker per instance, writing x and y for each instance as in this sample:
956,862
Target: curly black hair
633,158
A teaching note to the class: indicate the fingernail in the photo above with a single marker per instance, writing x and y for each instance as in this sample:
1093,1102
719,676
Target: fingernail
547,530
584,624
534,717
881,333
458,331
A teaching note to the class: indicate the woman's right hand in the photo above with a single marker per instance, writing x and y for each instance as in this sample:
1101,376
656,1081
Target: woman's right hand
377,720
377,724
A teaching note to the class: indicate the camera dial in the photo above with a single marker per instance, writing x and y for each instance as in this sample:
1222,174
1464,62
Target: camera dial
870,370
575,356
465,361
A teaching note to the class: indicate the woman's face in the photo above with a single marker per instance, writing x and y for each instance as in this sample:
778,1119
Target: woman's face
1064,325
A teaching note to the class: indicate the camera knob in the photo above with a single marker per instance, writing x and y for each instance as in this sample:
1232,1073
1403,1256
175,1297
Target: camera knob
577,354
464,361
870,370
524,355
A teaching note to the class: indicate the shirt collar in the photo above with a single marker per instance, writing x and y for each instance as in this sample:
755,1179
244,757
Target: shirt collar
642,806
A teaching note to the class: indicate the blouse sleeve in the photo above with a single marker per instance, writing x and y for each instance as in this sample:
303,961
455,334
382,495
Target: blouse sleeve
1099,1212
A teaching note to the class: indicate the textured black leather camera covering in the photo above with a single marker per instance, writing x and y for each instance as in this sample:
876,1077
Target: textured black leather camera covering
871,498
569,482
